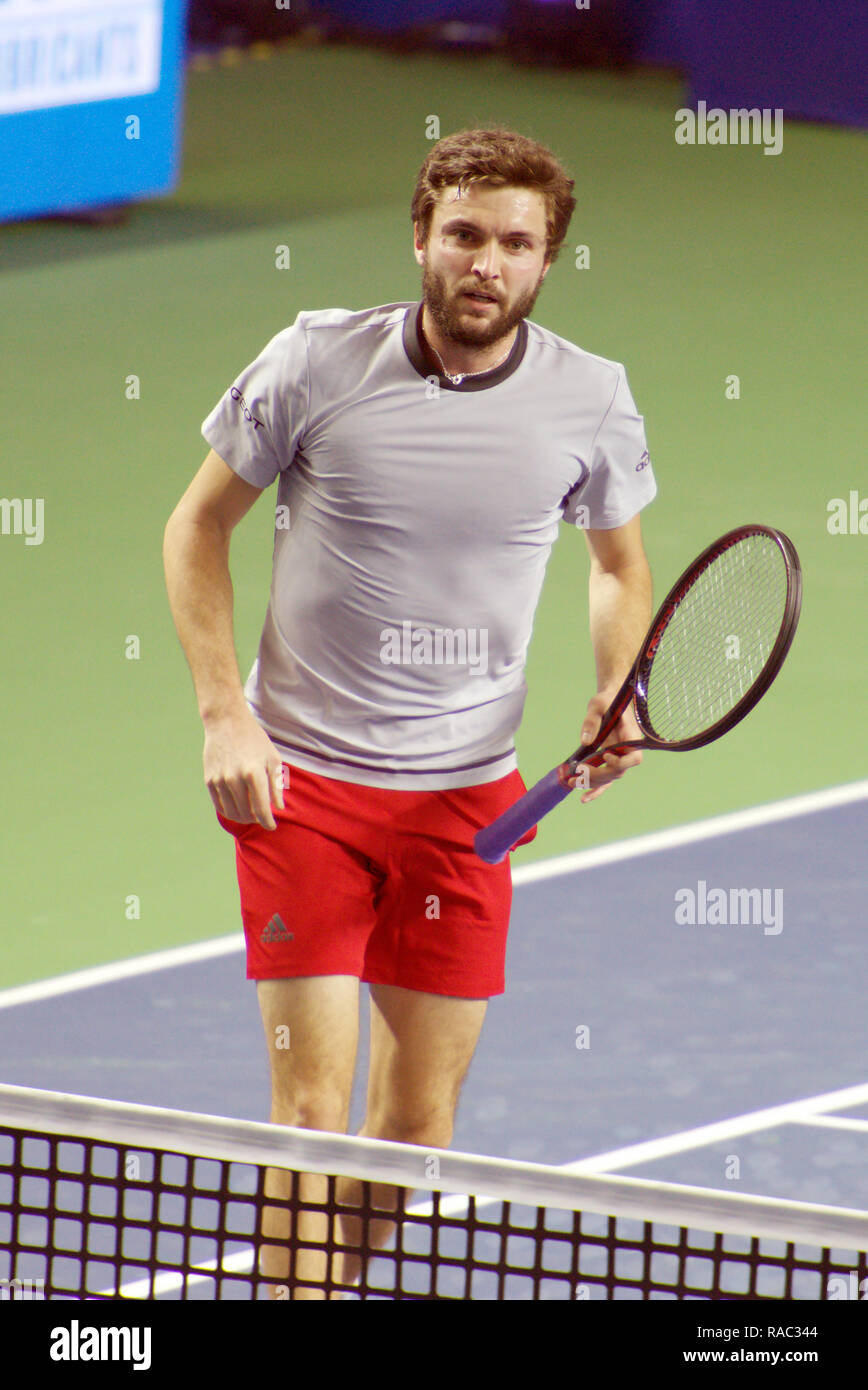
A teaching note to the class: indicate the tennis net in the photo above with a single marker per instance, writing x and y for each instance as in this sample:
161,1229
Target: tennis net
105,1200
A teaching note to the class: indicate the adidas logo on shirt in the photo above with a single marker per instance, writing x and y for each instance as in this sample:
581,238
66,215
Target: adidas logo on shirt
276,930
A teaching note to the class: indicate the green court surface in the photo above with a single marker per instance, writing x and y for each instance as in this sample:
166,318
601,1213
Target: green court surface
704,263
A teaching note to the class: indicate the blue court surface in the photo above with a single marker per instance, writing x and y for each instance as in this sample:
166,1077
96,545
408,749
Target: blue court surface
624,1027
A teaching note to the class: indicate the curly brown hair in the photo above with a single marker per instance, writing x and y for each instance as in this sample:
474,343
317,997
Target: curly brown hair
500,158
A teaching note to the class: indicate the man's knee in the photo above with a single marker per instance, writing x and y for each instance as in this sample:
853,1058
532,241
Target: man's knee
431,1126
324,1107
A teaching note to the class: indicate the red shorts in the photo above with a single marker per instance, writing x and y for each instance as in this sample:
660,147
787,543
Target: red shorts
380,884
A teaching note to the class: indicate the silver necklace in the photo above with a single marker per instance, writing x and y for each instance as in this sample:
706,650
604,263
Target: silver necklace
458,377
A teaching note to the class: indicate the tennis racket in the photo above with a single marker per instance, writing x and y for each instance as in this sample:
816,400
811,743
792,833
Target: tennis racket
714,648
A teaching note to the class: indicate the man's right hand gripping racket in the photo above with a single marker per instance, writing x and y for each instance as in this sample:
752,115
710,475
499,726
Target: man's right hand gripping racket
714,648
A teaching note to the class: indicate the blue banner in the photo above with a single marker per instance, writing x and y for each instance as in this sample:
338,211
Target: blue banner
90,102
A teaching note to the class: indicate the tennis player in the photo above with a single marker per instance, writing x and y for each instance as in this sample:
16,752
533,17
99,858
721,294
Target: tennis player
425,455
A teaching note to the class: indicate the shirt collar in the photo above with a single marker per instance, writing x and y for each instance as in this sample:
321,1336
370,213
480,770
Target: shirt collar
412,336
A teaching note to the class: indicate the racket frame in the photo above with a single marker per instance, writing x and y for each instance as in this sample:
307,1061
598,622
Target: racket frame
560,781
635,685
679,591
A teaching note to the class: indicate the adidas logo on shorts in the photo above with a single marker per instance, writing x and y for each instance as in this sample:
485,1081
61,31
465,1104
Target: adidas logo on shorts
276,930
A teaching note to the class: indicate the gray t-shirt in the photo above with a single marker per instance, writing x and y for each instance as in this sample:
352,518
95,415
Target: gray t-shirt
413,524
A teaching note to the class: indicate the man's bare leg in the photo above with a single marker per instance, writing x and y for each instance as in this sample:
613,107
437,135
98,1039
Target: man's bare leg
311,1030
421,1048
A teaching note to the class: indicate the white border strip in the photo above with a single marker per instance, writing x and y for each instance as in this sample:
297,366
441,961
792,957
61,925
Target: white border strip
524,874
835,1122
121,970
680,835
792,1112
169,1282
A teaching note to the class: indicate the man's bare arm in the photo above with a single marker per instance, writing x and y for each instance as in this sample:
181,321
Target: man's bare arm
619,598
242,767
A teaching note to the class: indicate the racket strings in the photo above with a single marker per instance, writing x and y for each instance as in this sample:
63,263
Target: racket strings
719,639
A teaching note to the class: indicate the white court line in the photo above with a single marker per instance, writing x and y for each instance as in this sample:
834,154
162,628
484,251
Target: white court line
526,873
680,835
121,970
835,1122
168,1282
794,1111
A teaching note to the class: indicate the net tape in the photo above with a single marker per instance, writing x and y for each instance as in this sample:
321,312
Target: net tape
100,1199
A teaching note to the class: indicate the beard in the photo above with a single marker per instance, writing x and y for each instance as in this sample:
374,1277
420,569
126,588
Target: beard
448,315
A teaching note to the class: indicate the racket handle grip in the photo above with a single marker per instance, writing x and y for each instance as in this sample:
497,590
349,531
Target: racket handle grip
492,843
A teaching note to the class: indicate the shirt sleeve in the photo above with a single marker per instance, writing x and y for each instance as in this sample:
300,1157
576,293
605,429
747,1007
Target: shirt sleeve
258,423
619,480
